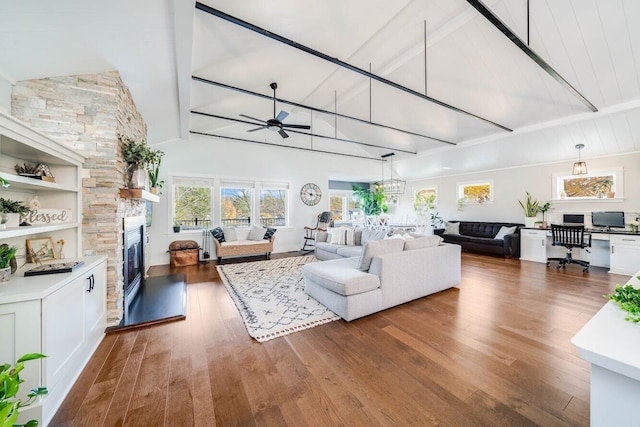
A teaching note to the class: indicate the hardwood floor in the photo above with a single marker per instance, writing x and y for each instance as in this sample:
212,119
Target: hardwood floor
496,351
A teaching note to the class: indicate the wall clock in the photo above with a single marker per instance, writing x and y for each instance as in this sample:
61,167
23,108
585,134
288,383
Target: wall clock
310,194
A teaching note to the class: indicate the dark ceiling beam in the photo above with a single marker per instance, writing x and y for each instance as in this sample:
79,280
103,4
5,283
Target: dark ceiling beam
338,62
303,133
282,146
319,110
504,29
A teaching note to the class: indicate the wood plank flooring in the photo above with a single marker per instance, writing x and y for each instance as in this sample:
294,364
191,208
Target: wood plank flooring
494,352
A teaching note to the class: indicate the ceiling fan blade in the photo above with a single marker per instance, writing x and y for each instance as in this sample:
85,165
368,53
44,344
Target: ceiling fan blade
252,118
281,115
258,128
296,126
283,133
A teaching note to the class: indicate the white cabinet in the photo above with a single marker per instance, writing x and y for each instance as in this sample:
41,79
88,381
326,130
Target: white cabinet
533,245
20,144
60,315
624,253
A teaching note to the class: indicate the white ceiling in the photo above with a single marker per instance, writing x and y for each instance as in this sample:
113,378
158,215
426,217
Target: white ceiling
157,45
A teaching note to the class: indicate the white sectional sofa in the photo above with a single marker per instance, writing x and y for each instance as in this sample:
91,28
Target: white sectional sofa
388,273
326,250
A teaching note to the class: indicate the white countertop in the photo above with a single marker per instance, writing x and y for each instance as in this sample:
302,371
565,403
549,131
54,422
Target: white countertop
22,288
611,342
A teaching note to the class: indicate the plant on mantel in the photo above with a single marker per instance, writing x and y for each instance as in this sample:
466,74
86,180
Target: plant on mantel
153,169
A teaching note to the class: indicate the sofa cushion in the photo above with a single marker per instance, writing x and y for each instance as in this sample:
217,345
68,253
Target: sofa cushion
229,234
269,233
341,276
452,228
378,247
256,233
370,235
489,241
504,230
326,246
349,251
422,242
218,234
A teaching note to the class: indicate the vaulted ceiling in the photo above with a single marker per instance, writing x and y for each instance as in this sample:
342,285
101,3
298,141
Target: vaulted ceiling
434,81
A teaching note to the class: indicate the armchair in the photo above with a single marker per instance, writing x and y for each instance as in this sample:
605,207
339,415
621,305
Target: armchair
325,219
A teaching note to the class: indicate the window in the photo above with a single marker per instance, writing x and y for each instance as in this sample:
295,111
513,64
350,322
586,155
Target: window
192,202
476,192
242,203
236,203
273,205
597,185
344,205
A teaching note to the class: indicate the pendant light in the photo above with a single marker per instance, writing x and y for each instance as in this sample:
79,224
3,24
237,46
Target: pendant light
579,167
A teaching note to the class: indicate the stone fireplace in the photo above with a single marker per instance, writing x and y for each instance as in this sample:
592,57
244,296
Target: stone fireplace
87,113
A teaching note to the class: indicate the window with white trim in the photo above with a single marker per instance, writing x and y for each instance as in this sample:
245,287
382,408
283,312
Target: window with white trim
192,202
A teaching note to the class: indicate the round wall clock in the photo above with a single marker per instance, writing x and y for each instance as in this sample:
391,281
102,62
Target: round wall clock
310,194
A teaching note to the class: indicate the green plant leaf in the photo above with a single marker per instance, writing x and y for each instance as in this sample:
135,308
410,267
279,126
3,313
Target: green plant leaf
31,356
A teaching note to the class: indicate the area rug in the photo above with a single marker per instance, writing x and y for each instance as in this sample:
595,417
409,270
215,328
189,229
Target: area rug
271,299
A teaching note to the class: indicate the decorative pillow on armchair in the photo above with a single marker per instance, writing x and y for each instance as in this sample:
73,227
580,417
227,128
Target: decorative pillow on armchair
218,234
270,232
229,234
256,233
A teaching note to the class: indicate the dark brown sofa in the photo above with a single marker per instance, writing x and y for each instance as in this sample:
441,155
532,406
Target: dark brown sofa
479,237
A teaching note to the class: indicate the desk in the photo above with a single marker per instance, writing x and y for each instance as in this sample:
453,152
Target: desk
619,251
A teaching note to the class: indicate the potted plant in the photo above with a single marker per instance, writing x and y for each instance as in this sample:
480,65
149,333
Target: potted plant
136,154
608,185
176,226
10,385
8,207
153,170
7,255
531,208
372,200
544,209
4,183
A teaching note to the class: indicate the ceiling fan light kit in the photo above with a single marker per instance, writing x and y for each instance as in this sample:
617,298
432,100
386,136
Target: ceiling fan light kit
276,123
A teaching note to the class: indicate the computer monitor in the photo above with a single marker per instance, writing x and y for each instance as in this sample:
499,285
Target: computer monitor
573,219
607,220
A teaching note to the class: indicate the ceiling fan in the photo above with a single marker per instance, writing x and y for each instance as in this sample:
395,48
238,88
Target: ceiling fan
276,122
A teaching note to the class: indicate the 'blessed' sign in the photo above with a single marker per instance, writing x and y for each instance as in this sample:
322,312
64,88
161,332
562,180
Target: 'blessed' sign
47,216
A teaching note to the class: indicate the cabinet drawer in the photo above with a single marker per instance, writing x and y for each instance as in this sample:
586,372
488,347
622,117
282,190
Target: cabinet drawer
533,233
625,239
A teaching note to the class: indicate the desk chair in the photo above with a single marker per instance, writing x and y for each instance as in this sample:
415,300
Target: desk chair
325,219
570,236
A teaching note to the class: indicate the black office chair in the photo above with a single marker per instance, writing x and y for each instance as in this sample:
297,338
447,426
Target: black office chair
325,219
570,236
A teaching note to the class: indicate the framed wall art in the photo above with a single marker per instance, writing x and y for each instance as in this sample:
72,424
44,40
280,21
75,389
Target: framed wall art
41,249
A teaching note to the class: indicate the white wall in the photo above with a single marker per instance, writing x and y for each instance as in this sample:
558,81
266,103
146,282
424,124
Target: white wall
510,185
5,96
213,157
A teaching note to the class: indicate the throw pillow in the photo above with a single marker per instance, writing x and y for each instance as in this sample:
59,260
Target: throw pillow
218,234
270,232
452,228
369,235
229,234
378,247
422,242
338,236
504,231
256,233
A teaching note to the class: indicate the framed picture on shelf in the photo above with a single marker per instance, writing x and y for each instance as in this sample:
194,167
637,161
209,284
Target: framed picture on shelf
41,249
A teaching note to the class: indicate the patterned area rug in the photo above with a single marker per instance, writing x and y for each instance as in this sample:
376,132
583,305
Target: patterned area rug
271,299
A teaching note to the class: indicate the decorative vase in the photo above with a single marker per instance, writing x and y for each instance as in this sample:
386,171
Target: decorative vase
5,273
136,176
530,221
